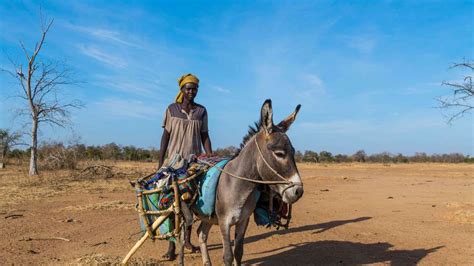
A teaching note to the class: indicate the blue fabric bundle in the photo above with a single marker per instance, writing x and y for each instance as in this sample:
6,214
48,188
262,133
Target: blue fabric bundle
207,190
261,217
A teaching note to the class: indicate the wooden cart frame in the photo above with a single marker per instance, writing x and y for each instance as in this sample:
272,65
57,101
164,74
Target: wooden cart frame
174,209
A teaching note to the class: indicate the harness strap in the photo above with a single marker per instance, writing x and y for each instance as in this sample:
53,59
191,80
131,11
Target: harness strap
245,178
271,168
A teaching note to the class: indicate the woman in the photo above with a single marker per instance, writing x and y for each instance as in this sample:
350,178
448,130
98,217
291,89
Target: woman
185,131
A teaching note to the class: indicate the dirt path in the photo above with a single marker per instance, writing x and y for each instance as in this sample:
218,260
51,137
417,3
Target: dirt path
349,214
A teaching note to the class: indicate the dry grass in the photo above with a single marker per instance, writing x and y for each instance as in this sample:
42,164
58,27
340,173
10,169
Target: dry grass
461,170
460,212
101,259
107,205
16,186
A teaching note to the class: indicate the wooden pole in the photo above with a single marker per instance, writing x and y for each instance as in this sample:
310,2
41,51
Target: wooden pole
142,240
176,207
191,177
152,191
156,213
141,211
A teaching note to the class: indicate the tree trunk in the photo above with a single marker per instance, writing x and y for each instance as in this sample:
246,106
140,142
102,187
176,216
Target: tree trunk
34,145
3,155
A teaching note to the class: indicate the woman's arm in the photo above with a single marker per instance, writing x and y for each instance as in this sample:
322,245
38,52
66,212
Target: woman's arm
165,139
206,142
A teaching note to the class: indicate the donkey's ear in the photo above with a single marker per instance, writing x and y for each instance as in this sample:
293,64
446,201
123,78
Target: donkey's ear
286,123
266,116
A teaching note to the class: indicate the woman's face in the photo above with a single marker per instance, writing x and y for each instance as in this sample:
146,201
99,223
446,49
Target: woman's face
190,91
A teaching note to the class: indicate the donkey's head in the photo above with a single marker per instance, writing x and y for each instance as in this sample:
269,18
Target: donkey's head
277,161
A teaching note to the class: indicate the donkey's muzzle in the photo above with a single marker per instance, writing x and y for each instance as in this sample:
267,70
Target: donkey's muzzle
292,194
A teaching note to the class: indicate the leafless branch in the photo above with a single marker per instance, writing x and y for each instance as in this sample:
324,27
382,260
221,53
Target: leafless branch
27,55
461,100
464,64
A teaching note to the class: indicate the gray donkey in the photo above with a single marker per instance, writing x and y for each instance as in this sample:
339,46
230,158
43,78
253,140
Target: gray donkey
266,156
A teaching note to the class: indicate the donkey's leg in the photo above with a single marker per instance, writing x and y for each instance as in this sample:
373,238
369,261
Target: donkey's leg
240,230
203,233
225,233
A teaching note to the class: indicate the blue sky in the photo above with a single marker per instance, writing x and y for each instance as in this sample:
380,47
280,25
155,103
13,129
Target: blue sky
367,73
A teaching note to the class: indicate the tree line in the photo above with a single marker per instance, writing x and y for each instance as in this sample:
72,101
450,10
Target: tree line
383,157
56,155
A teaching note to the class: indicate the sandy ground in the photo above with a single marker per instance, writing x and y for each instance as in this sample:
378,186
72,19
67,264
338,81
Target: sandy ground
349,214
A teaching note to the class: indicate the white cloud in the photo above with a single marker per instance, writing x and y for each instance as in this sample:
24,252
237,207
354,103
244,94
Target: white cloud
220,89
312,87
128,108
128,86
103,57
313,80
363,44
394,124
420,90
104,34
339,126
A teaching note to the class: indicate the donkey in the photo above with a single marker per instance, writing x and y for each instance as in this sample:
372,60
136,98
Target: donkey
266,155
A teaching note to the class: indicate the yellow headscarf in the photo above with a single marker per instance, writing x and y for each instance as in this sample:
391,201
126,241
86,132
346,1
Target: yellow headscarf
188,78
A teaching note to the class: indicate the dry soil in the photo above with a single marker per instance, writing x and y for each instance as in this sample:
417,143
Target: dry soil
349,214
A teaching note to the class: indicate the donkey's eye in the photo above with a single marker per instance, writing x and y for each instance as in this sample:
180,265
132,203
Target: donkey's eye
280,154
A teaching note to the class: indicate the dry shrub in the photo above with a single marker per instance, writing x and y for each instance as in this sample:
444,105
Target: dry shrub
107,169
55,156
101,259
92,171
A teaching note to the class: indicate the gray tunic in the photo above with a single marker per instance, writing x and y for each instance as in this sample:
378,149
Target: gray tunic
185,129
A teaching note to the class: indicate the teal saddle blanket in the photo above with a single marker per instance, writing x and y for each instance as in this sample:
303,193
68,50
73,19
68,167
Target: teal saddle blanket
206,200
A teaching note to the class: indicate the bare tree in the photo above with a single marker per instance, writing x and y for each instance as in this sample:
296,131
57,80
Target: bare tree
461,101
7,141
40,87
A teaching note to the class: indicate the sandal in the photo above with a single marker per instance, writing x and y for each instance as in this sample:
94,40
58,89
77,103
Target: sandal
192,249
169,256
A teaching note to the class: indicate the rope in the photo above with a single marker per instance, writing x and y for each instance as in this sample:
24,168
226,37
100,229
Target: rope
247,179
273,170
